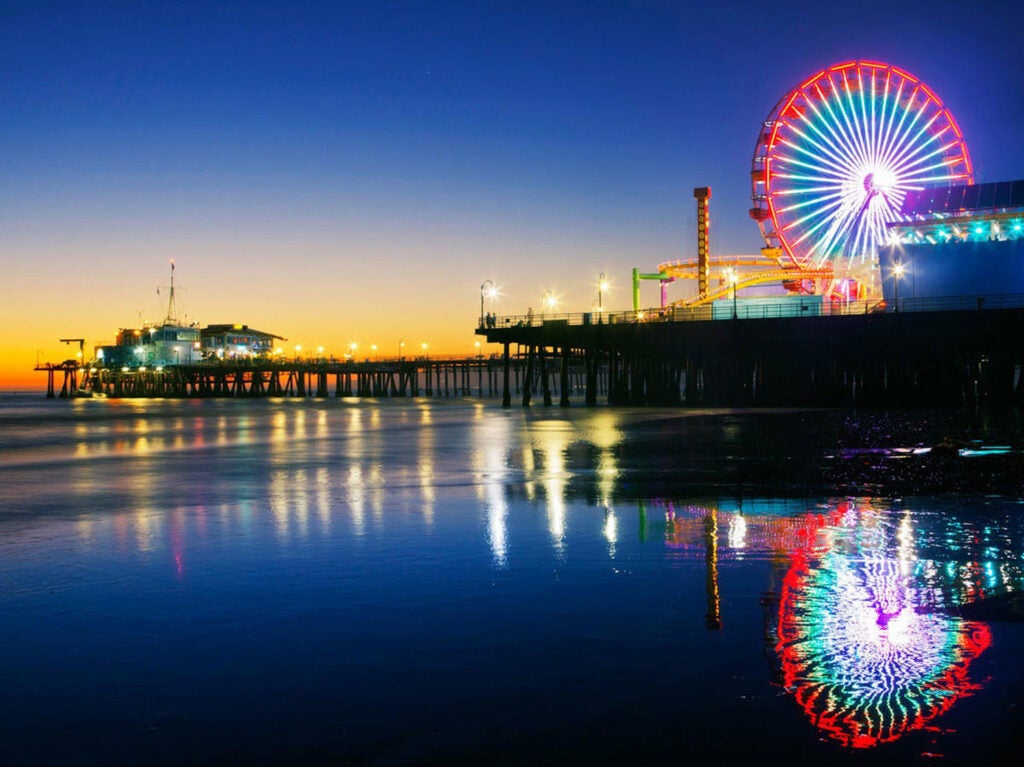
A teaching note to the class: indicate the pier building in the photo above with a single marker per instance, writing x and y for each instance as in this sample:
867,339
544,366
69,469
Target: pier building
234,341
956,241
165,343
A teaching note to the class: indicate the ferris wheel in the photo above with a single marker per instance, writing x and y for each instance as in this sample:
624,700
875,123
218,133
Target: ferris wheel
836,156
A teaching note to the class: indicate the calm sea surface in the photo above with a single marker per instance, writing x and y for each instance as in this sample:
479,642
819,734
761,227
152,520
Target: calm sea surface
425,582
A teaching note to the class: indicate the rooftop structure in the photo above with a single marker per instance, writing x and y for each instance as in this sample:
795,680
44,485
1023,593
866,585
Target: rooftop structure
972,212
234,341
965,240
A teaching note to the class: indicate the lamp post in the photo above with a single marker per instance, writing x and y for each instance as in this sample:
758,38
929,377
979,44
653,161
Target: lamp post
547,301
401,345
486,288
732,278
602,286
897,274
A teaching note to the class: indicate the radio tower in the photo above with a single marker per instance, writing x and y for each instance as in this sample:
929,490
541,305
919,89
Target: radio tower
171,316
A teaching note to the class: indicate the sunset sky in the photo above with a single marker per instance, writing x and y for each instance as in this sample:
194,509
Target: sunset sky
353,171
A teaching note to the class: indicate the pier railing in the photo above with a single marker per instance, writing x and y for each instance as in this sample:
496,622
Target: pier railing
755,309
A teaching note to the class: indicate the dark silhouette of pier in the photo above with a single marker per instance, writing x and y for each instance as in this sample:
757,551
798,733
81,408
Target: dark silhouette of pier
923,352
480,376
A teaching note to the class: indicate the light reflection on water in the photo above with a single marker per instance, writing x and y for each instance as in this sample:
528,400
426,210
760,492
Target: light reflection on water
503,545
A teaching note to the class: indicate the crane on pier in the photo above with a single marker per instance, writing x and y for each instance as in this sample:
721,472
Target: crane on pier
81,346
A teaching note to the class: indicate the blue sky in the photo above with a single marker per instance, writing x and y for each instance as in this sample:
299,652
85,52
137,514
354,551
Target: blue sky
394,150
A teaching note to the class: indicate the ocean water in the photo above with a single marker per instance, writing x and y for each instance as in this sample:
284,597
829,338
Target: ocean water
446,582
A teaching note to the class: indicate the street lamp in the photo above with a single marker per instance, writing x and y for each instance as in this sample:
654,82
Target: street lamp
897,273
373,348
401,345
602,286
424,346
486,288
547,301
733,279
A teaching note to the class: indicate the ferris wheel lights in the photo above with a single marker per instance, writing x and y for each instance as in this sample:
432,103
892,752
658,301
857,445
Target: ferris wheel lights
842,150
884,179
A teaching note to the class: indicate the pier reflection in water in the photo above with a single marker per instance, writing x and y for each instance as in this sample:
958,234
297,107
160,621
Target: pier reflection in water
423,582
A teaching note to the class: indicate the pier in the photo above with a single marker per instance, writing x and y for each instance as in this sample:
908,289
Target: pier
481,376
915,352
919,352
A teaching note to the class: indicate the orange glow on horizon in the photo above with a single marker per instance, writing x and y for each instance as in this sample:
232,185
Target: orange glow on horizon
341,306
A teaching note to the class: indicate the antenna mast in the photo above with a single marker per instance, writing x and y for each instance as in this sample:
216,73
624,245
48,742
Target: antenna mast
171,318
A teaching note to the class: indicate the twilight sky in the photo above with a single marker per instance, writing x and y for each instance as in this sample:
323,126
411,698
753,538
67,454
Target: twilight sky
353,171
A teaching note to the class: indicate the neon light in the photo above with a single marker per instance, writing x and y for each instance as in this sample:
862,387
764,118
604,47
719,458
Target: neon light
844,149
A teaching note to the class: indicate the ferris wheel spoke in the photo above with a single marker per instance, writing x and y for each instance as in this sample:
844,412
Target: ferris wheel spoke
878,216
898,135
867,123
821,166
832,154
921,136
914,168
854,225
887,134
874,127
804,191
842,96
834,123
819,213
855,242
813,201
909,141
915,182
829,156
919,143
842,122
822,141
816,222
902,141
825,246
854,122
837,140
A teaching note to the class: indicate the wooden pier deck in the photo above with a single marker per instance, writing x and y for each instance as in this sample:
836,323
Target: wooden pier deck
479,376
